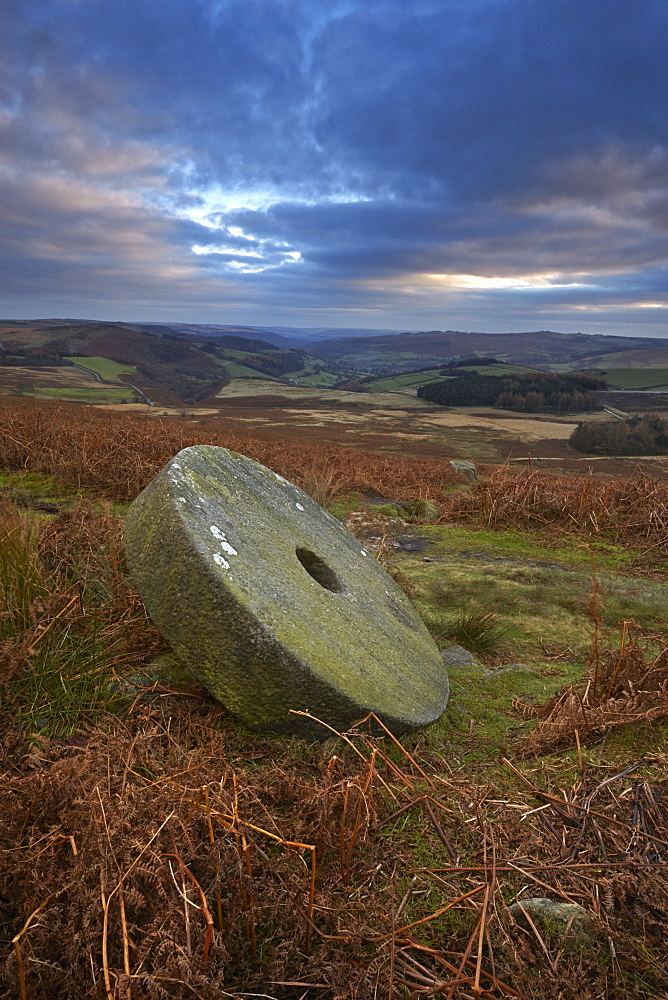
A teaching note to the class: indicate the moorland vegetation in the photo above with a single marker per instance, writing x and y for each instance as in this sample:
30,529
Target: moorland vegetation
152,848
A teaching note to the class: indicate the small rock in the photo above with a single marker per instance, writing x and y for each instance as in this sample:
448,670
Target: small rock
412,543
551,916
467,469
457,656
520,668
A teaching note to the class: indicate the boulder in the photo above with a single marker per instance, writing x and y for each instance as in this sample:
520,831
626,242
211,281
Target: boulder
467,469
457,656
551,916
272,605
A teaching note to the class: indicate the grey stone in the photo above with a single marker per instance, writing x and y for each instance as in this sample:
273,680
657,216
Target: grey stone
457,656
517,668
467,469
273,605
551,916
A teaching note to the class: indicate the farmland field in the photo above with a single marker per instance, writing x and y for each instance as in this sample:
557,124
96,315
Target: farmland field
106,369
411,380
636,378
250,390
61,382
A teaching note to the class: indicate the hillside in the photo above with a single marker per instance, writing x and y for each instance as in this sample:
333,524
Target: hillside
406,351
165,364
281,336
189,364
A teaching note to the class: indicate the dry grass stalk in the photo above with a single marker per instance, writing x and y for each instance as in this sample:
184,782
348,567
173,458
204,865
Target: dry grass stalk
119,454
17,947
632,511
198,788
625,685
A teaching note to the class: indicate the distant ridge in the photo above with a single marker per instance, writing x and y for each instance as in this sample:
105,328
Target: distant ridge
187,361
406,351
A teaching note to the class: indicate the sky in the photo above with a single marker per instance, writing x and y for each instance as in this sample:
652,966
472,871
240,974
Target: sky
491,165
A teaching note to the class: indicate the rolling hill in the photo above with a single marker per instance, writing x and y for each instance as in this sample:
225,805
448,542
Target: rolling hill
383,355
184,364
165,364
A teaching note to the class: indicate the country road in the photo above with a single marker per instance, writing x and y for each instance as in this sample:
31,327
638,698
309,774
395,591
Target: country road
89,370
140,392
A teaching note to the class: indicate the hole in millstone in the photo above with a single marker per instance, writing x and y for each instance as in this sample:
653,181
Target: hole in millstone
319,570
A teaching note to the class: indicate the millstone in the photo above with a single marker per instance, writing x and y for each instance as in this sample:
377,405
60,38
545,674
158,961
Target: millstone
273,605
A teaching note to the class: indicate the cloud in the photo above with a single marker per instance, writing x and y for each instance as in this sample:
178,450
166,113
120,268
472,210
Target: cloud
275,162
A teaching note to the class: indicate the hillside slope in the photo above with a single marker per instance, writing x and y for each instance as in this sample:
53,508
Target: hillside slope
404,351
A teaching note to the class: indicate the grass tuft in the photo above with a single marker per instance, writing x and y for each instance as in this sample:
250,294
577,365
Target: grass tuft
481,632
69,619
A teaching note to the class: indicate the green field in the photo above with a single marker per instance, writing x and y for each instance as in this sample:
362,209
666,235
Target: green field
84,394
106,369
396,383
409,380
497,369
307,376
636,378
235,370
225,354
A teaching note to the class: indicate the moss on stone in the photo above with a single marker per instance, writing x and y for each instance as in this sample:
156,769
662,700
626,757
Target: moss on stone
212,544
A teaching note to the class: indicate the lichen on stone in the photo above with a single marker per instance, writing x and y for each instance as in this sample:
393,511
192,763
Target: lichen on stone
331,633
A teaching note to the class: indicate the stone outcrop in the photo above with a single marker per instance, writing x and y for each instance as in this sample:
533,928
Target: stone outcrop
467,469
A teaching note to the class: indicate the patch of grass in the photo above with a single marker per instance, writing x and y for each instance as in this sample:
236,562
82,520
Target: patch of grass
36,484
636,378
549,548
387,510
344,505
83,394
235,370
306,376
480,631
544,611
70,683
66,611
106,369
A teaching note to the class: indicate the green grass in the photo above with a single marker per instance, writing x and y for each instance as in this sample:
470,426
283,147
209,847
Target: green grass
531,546
56,620
35,484
497,369
521,600
83,394
106,369
235,370
636,378
232,361
407,380
307,376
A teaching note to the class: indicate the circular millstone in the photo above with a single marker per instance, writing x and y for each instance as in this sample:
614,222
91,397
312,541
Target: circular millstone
273,605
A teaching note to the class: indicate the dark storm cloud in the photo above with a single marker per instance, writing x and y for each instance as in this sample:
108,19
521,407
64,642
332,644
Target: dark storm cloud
279,160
